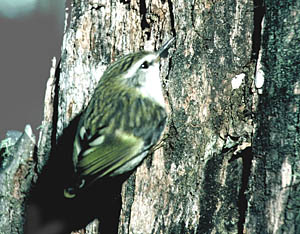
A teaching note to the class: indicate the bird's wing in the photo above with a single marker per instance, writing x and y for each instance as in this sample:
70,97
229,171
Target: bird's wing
102,154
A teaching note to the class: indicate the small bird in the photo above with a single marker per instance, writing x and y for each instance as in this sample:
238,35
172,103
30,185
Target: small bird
122,122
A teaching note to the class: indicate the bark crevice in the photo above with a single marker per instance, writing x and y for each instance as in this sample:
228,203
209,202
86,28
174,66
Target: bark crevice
259,12
247,157
172,18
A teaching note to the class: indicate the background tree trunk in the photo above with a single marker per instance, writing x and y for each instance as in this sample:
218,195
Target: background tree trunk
229,162
274,189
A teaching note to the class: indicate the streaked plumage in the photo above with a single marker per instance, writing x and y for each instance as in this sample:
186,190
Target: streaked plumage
124,119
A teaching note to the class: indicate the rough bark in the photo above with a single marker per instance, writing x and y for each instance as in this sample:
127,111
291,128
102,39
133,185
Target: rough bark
274,189
16,174
229,159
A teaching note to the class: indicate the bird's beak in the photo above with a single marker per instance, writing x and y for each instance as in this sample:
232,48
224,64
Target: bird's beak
163,51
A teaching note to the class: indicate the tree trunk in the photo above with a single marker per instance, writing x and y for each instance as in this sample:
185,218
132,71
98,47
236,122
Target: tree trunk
274,189
229,159
16,173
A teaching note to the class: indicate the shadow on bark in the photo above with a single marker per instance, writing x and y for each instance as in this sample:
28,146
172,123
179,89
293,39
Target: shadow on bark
55,212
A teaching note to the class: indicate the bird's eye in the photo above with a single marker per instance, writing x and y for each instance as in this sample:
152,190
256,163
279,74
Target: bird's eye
145,65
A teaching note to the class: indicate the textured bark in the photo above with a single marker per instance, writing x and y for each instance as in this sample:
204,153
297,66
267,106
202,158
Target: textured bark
274,188
16,174
229,159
